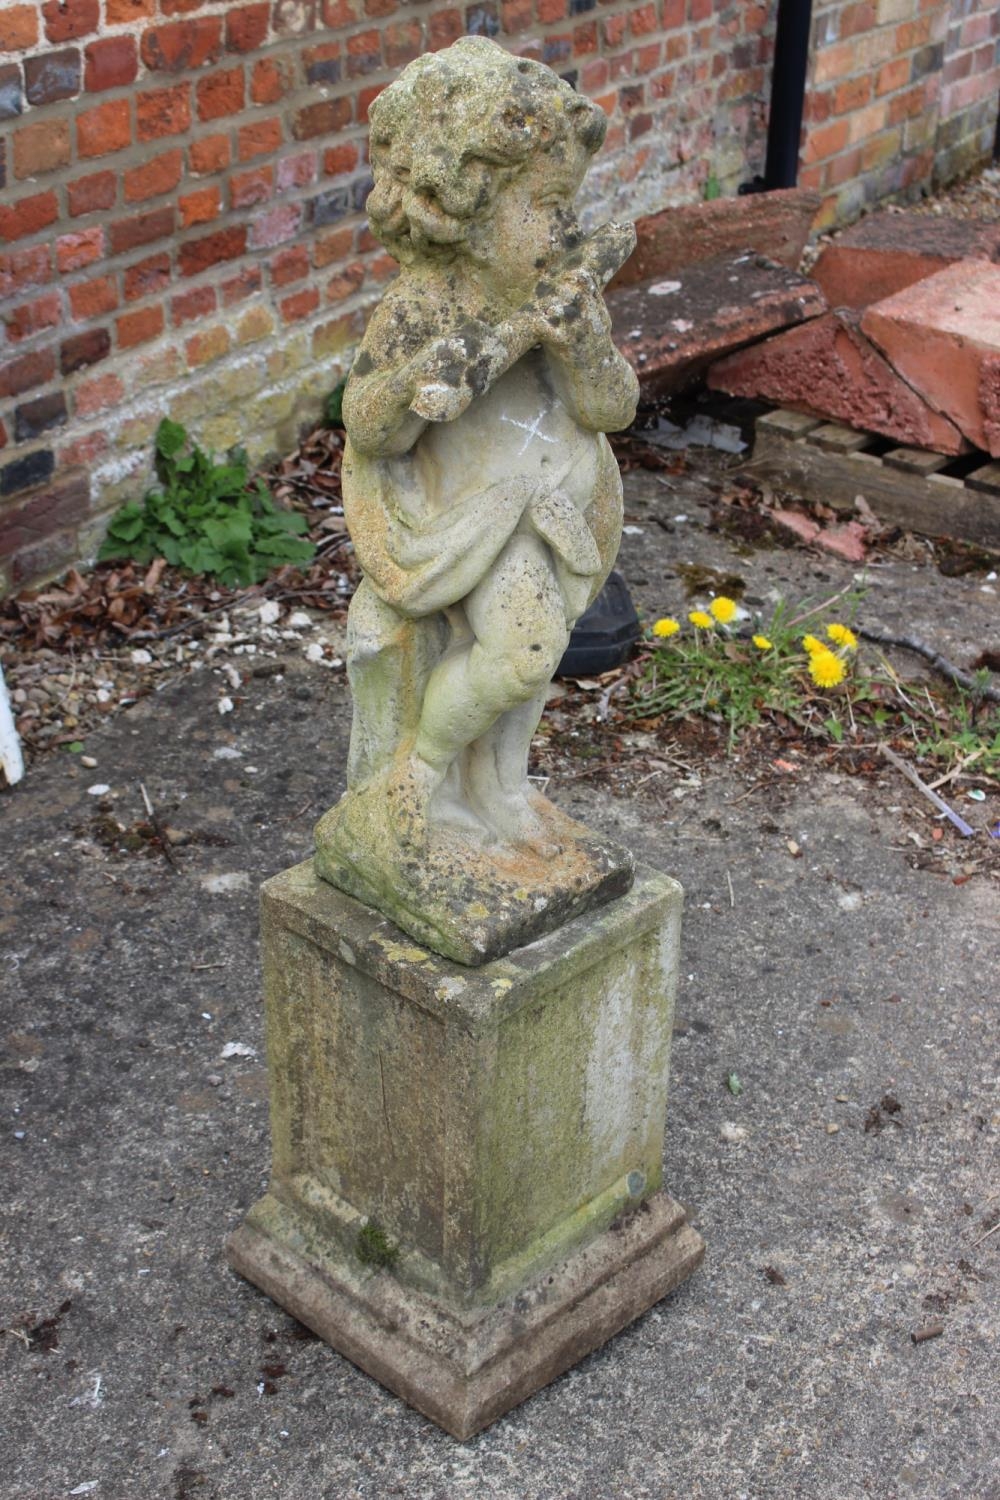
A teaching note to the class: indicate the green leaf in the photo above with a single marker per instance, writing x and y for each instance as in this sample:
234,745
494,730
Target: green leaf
333,407
170,438
734,1085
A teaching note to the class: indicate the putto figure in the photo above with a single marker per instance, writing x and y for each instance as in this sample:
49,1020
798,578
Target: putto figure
483,500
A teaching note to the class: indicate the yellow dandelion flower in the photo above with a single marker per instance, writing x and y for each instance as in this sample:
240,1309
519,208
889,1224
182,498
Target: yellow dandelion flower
700,620
762,643
665,628
812,644
723,609
842,635
825,669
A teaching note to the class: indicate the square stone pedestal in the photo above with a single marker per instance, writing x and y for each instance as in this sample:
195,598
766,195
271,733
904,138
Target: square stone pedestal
466,1191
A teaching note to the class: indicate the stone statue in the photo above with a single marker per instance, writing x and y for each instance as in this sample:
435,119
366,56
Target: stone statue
483,500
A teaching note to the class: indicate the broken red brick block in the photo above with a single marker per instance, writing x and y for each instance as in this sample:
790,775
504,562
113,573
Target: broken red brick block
888,252
943,336
773,224
828,368
671,329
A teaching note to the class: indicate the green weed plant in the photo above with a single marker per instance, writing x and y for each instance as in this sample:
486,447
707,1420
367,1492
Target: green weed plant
737,674
208,517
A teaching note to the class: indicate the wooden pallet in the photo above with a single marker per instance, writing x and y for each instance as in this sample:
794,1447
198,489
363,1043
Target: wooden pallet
926,492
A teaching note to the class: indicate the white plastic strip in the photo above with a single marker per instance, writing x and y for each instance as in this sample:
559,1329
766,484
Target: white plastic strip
11,758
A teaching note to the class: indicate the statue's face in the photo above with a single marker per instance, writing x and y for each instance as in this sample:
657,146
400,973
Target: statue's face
429,192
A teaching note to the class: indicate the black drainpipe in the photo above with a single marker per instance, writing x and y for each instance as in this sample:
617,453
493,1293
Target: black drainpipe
788,90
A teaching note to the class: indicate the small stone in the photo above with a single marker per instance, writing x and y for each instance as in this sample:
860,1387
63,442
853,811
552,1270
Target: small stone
314,651
214,1079
733,1134
99,789
269,612
300,620
89,761
832,1129
226,705
140,658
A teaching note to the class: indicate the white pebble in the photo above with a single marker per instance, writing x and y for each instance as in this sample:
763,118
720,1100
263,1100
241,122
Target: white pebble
237,1049
732,1133
99,789
269,612
300,620
141,658
88,761
226,705
314,651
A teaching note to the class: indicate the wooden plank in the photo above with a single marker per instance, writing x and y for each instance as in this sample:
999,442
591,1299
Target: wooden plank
791,424
987,478
915,460
896,498
835,438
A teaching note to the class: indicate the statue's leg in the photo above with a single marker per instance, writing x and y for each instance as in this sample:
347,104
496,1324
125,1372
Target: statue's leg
518,619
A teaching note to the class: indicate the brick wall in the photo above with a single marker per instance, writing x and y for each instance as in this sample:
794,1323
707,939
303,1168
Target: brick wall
902,96
182,182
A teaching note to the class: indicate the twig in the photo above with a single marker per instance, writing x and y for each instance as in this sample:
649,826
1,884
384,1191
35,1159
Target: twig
159,830
921,786
732,898
965,760
986,1235
940,663
818,608
932,1331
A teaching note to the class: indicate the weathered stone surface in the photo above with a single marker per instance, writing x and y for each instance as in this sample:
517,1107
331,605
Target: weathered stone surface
828,368
495,1125
887,252
773,224
943,336
493,344
672,329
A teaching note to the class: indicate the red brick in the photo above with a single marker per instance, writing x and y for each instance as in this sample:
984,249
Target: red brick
828,367
942,335
270,80
289,265
79,249
892,75
376,8
345,283
41,147
147,277
331,247
110,63
17,375
119,12
50,76
402,41
340,159
103,129
323,118
551,10
24,268
92,396
161,175
129,234
88,194
210,154
139,326
18,28
200,255
32,317
365,99
193,304
89,299
61,503
585,42
206,346
28,215
300,304
339,13
220,94
180,7
200,207
293,17
276,226
67,19
446,26
258,139
85,450
161,112
515,15
248,188
854,94
247,27
180,46
84,349
364,53
826,141
242,285
296,171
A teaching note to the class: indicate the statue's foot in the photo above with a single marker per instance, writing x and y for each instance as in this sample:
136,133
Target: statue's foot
519,819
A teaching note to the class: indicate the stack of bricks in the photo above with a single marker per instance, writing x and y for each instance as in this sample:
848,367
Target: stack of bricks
182,230
902,96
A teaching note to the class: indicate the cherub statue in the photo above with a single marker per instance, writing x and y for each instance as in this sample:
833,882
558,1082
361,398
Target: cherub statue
483,500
